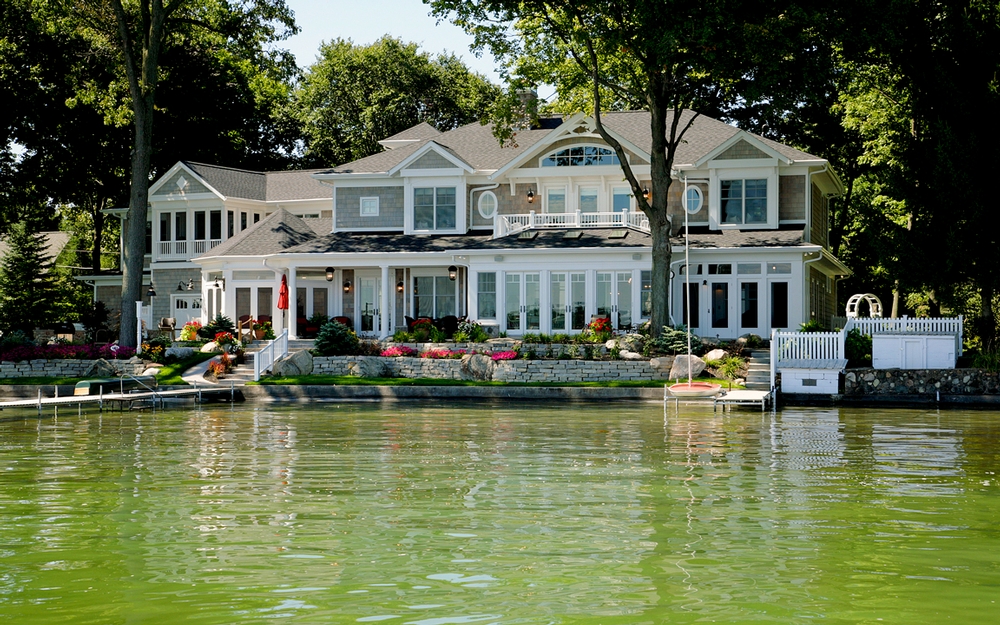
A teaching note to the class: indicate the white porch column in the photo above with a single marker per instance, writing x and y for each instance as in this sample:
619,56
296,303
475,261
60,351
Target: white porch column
228,295
277,321
293,304
387,304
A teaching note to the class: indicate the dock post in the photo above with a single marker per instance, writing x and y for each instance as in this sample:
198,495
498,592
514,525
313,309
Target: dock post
232,392
39,400
100,398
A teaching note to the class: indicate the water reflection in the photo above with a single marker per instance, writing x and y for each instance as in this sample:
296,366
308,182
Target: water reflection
612,514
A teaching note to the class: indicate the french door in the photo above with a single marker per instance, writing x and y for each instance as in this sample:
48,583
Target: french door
369,306
523,302
614,297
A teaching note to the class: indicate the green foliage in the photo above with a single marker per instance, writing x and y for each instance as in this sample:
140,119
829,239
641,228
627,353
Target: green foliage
987,359
672,341
402,336
17,338
356,95
729,367
472,331
27,296
813,325
221,323
336,339
858,349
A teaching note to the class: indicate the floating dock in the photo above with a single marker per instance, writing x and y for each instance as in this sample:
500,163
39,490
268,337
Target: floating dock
201,395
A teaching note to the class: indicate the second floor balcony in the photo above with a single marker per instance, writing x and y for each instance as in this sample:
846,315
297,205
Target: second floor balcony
505,225
184,250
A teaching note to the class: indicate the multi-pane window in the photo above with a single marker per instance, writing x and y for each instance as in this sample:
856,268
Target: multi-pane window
621,200
434,208
555,200
744,201
434,296
588,199
581,156
369,207
646,294
487,295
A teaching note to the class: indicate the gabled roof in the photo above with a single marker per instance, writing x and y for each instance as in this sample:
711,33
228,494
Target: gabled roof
55,242
263,186
475,144
421,131
277,232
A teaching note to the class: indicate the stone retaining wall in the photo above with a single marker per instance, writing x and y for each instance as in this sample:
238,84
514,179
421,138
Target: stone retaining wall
504,371
498,345
68,368
921,381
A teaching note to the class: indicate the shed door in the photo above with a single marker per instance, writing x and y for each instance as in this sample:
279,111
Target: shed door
913,354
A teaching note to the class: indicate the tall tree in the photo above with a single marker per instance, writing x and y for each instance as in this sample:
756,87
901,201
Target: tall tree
665,56
138,32
26,293
356,95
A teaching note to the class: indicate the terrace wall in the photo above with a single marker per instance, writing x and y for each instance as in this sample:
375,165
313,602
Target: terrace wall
66,368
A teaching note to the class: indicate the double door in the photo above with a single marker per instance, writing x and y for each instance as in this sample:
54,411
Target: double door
523,302
614,297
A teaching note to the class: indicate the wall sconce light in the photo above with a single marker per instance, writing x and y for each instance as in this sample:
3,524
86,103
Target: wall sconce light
645,193
180,286
151,292
329,274
218,286
704,283
452,273
190,286
347,286
531,196
399,286
185,287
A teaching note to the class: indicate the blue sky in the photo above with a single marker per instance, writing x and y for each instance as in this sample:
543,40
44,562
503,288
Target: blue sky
364,21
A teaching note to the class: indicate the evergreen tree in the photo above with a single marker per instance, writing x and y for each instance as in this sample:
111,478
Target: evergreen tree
26,292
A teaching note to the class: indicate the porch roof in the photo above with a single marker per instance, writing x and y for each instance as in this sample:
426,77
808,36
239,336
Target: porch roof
702,238
275,233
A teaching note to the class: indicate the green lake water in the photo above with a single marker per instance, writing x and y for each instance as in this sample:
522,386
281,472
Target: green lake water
581,513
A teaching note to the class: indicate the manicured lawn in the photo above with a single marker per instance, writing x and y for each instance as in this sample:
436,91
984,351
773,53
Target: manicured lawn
170,375
346,380
38,381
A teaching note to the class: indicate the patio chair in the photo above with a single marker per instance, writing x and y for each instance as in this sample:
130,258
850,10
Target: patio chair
448,324
344,321
168,324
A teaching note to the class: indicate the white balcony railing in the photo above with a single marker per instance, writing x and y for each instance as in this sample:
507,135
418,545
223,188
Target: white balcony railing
181,249
504,225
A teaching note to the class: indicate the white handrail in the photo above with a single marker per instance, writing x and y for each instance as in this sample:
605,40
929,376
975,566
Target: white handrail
504,225
264,360
808,346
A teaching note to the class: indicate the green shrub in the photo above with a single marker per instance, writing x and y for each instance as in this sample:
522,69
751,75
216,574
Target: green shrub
336,339
813,325
730,367
562,338
402,336
17,338
471,331
221,323
531,339
858,349
988,359
673,341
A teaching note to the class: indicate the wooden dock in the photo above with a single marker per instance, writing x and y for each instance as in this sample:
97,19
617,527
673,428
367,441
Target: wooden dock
150,397
726,399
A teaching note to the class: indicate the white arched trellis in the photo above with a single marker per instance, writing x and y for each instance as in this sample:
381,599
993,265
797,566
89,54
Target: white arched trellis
874,305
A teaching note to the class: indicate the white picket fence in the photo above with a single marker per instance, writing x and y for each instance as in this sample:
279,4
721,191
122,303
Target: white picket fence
787,346
269,354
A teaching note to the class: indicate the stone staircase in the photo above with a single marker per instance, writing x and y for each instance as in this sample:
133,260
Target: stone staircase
759,374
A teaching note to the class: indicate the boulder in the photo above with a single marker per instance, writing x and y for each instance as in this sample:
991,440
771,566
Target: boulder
153,369
180,353
296,363
211,348
627,355
374,367
632,342
100,368
477,367
715,354
662,362
611,343
680,368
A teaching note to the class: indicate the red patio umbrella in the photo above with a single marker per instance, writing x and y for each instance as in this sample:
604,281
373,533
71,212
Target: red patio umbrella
283,294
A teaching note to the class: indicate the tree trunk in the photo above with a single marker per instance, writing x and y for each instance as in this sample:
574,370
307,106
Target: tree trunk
656,211
98,244
135,226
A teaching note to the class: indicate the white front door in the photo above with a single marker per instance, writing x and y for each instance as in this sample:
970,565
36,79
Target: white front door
614,297
369,305
185,308
522,302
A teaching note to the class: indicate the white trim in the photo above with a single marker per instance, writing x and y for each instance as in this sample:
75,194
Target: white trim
361,206
479,204
179,165
741,135
429,146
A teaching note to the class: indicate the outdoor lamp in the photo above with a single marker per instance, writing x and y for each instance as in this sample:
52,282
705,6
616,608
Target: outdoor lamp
329,274
645,193
347,286
452,273
151,292
180,286
190,286
531,196
399,286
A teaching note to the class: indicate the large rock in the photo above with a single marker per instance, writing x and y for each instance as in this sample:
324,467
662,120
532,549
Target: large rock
180,353
715,354
296,363
627,355
211,348
680,368
373,367
100,368
477,367
632,342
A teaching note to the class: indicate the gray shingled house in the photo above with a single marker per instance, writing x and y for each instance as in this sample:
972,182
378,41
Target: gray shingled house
538,237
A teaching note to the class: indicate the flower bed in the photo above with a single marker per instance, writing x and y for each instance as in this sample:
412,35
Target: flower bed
66,352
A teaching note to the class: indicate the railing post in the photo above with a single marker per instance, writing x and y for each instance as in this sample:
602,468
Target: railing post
579,222
774,356
531,219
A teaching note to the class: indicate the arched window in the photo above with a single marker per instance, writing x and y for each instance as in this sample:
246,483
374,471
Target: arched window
487,204
581,156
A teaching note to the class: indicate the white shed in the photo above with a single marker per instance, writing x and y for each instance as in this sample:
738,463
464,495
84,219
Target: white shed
908,350
812,377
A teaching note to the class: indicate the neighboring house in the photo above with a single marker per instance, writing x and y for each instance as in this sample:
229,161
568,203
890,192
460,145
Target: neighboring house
55,243
540,237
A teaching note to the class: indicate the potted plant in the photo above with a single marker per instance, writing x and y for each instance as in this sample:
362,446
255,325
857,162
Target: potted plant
258,328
